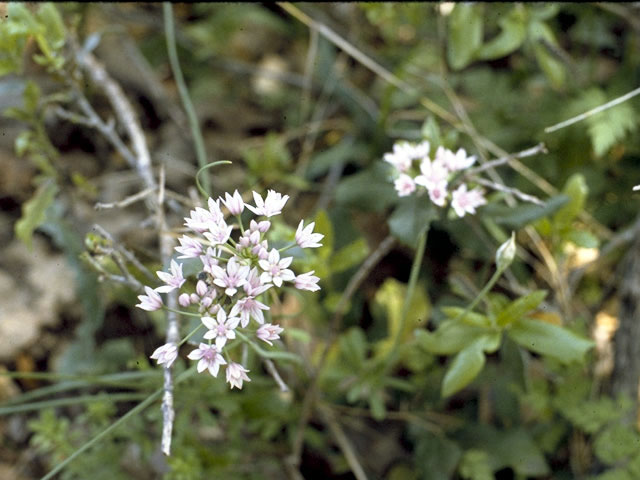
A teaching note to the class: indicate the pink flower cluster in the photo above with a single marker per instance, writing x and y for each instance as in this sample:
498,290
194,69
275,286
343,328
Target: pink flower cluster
434,175
235,275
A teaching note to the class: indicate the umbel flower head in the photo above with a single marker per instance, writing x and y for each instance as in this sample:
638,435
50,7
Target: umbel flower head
237,274
416,167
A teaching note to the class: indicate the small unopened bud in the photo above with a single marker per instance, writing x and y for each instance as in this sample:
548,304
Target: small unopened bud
506,253
184,300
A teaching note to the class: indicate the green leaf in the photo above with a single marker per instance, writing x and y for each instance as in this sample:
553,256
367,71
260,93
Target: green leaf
412,216
608,128
349,256
465,34
517,217
387,308
353,347
616,444
582,238
553,69
518,308
33,211
324,226
475,465
548,339
369,190
465,367
576,189
49,16
510,38
450,337
431,131
436,456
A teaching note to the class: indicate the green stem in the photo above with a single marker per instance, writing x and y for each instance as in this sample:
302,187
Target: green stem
266,354
492,281
184,92
413,280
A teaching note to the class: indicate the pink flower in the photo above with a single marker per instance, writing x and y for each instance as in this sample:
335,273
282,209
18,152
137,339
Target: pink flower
166,354
151,301
221,328
432,173
209,259
249,307
236,374
275,270
261,226
201,219
305,238
234,203
173,280
307,281
254,285
457,161
189,247
208,357
438,193
404,153
268,332
233,277
464,201
404,185
270,206
219,232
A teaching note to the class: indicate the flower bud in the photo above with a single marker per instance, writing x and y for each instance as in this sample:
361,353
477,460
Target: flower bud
184,300
506,253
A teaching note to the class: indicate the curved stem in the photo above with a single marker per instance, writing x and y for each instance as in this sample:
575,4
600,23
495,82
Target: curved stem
184,93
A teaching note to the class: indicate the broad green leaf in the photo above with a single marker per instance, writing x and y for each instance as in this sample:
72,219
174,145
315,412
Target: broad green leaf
431,131
582,239
617,443
436,456
388,304
353,347
466,366
553,69
475,465
349,256
518,450
470,318
519,307
608,128
548,339
324,226
369,190
576,189
511,37
49,16
465,34
450,337
523,214
412,216
33,211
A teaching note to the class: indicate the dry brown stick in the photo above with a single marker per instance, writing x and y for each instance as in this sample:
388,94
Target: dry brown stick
142,158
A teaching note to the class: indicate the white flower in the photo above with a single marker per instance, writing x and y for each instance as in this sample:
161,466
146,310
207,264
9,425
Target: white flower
234,203
275,270
166,354
270,206
404,185
173,280
438,193
236,374
268,332
232,278
151,301
221,328
404,153
464,201
458,161
218,233
189,247
208,357
305,237
249,307
307,281
432,173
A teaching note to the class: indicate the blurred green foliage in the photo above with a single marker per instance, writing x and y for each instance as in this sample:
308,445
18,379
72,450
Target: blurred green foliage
505,387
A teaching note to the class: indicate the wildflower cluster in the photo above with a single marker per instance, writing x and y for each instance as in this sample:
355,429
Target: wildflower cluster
414,167
234,278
